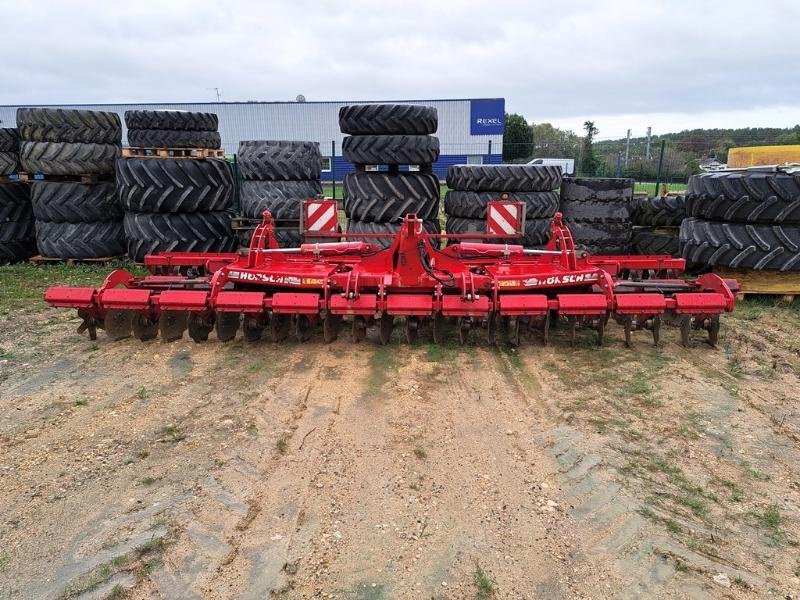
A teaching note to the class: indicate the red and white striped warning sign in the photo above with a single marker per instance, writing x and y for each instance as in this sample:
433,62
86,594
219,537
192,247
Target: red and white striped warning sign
504,217
321,215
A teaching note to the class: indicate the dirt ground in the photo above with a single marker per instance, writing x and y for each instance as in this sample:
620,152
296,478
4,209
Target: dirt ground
354,471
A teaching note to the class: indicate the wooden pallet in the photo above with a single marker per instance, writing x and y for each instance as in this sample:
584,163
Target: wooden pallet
49,260
763,283
196,153
83,178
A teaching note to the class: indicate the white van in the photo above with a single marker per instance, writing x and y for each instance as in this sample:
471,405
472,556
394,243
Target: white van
567,164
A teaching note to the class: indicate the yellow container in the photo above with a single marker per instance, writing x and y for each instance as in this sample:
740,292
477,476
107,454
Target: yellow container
753,156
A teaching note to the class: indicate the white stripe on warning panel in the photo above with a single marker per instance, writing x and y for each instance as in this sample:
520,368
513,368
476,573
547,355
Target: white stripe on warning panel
312,208
501,221
322,220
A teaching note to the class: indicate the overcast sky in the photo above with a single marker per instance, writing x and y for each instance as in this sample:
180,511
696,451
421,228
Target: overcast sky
622,63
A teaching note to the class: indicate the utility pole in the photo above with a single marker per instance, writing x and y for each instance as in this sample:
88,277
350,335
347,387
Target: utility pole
218,92
647,151
627,148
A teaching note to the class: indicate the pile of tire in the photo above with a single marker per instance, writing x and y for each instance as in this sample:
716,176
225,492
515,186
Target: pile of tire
390,135
73,220
279,176
17,234
172,129
175,204
597,211
743,219
656,223
472,187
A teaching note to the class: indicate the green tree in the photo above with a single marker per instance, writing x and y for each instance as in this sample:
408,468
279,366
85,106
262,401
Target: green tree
589,161
517,138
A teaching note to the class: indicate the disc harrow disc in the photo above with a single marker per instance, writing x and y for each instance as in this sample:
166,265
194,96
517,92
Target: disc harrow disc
118,324
411,329
227,324
172,324
437,325
385,326
279,327
253,327
303,328
359,328
199,326
331,325
144,328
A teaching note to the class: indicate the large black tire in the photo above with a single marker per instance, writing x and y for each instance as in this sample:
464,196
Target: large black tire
151,233
601,238
279,160
15,202
745,196
283,199
9,139
55,158
80,240
69,125
385,242
67,202
537,231
597,188
472,205
173,138
171,119
171,185
387,198
503,178
17,240
391,119
390,149
739,245
597,211
289,238
646,240
9,163
661,211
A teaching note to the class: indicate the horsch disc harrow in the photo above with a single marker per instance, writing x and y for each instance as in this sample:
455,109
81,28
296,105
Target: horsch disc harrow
499,289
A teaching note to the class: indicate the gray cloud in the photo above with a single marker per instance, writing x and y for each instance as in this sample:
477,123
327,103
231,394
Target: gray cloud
551,61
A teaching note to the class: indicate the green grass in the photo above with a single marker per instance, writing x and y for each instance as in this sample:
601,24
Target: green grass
81,402
485,584
650,186
420,453
23,284
171,434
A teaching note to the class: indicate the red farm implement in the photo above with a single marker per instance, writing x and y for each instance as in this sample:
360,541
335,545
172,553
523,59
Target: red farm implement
501,288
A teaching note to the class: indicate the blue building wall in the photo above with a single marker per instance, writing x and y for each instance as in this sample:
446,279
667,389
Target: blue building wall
341,167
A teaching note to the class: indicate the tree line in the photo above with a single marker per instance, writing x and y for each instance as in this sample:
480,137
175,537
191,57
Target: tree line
683,151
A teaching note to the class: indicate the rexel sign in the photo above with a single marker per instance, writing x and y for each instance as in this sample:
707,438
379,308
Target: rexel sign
487,117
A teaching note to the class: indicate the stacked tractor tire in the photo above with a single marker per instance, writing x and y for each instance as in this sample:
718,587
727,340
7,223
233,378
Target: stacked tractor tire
472,187
656,224
175,204
279,176
76,209
17,234
597,211
389,136
743,220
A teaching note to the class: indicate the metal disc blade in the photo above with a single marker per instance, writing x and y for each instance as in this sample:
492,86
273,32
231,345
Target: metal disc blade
513,332
359,328
464,325
303,328
227,324
546,329
411,329
385,326
713,330
686,329
144,328
601,330
331,325
118,324
491,328
437,325
279,327
656,330
199,327
172,324
253,327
